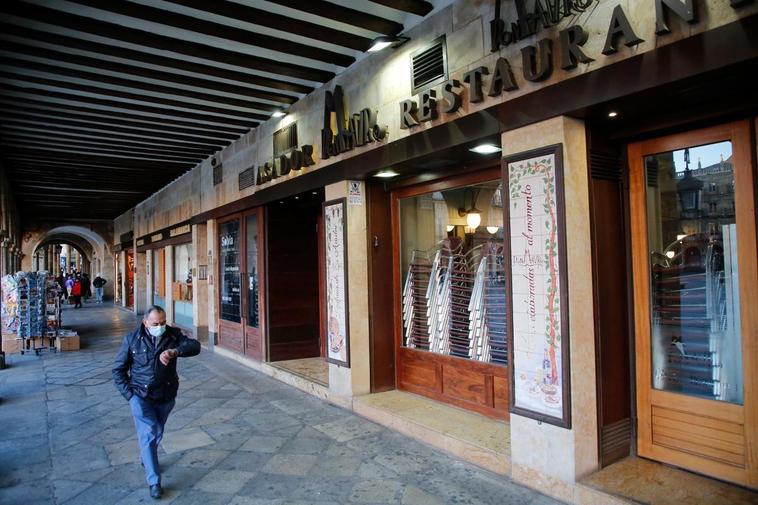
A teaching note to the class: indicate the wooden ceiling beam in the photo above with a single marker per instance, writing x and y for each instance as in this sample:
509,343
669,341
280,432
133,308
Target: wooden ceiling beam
53,116
279,22
102,150
107,91
417,7
149,58
101,129
83,134
124,161
62,95
346,15
58,70
103,142
224,31
161,42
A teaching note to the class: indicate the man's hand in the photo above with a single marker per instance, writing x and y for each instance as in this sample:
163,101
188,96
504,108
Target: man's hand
168,355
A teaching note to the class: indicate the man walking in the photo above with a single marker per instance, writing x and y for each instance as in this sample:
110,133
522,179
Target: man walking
145,374
98,284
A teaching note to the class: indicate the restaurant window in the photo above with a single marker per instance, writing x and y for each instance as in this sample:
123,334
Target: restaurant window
182,285
229,236
452,272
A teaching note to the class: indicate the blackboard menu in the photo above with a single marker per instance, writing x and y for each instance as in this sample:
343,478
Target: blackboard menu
230,270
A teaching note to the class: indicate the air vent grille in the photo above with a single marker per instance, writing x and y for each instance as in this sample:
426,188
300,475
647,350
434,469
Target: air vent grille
247,178
429,65
605,166
285,140
218,174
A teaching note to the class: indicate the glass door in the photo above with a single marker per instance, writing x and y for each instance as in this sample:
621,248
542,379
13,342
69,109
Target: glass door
230,302
694,267
253,307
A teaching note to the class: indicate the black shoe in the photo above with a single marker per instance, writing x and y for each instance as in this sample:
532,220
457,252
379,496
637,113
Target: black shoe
156,491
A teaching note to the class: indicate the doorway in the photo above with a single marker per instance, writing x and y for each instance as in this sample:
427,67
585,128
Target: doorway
695,282
241,300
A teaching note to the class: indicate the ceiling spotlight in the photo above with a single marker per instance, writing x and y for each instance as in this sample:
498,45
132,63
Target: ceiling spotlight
386,174
485,149
297,198
384,42
278,113
613,114
314,192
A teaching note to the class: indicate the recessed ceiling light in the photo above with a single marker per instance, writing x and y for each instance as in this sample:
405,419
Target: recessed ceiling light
613,114
314,192
485,149
279,113
386,174
297,198
384,42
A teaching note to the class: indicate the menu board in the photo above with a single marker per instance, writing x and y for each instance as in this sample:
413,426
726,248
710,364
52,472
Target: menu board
539,310
230,270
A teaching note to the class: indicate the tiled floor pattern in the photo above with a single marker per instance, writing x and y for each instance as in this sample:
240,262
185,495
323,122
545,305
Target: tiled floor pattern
235,437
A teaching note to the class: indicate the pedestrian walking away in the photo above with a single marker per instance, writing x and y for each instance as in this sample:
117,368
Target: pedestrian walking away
86,287
76,292
98,284
145,374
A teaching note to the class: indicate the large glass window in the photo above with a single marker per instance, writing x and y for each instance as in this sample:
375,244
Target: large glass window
453,274
159,277
229,235
253,313
696,342
182,285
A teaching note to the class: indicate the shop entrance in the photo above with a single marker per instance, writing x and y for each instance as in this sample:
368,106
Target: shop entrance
129,287
241,301
693,236
294,289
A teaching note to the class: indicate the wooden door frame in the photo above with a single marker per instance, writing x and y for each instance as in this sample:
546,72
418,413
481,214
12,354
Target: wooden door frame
221,321
262,319
739,132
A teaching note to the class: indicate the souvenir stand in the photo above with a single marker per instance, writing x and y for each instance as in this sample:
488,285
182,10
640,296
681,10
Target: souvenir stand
31,309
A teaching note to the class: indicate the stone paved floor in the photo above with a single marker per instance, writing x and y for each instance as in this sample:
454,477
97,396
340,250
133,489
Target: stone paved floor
235,437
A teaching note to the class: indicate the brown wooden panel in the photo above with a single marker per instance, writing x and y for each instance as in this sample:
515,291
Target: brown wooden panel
381,315
466,385
501,393
230,336
419,373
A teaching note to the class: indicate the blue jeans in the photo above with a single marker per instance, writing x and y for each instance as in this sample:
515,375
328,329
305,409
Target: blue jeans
150,419
99,295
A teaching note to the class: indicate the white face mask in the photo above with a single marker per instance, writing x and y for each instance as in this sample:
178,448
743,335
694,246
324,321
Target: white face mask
156,331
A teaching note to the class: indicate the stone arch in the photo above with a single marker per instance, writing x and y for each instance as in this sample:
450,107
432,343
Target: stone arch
95,247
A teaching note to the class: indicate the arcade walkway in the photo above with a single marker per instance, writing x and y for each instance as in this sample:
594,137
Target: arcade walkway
235,437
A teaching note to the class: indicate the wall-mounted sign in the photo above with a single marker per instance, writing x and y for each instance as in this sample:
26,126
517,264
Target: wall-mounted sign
335,257
537,278
157,237
537,59
180,230
283,165
352,131
141,242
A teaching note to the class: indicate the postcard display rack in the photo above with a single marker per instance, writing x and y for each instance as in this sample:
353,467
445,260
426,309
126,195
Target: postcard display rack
31,309
454,301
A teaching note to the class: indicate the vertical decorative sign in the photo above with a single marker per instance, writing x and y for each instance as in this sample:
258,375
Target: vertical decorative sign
536,235
335,256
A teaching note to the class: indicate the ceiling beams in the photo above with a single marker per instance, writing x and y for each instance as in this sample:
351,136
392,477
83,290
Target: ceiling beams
104,103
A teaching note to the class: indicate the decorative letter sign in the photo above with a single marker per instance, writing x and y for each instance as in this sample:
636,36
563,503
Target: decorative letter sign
337,330
539,307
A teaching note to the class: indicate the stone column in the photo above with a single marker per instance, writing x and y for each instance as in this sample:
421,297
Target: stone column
547,457
149,274
140,286
200,286
169,283
122,271
212,262
345,383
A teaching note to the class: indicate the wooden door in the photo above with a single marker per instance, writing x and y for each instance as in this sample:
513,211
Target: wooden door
253,313
693,231
130,278
231,251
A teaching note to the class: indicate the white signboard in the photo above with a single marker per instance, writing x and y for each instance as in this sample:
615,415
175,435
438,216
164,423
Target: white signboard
539,314
337,330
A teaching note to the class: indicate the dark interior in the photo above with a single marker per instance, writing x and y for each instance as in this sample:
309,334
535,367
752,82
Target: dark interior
294,323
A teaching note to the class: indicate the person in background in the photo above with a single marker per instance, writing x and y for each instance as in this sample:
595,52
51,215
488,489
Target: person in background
144,372
69,284
98,284
86,286
61,280
76,292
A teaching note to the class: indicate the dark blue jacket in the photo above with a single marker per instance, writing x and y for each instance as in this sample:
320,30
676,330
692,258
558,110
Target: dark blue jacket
138,368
